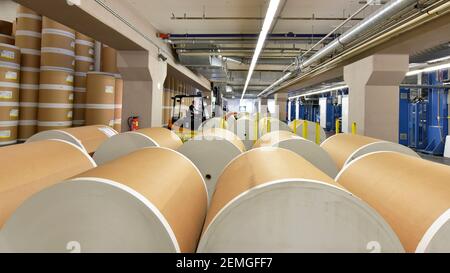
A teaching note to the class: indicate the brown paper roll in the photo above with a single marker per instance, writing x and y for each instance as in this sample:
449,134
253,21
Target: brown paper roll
8,134
99,116
27,40
51,24
118,105
9,54
272,200
100,88
163,137
154,210
303,147
6,27
28,113
28,20
31,60
6,39
211,152
57,60
343,148
47,162
125,143
87,138
60,115
9,112
8,94
80,80
26,131
56,86
84,66
29,77
109,60
85,46
9,74
412,194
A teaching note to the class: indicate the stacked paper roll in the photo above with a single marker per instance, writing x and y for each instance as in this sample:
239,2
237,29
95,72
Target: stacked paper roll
58,45
118,104
28,39
84,62
6,33
9,93
55,99
109,60
100,99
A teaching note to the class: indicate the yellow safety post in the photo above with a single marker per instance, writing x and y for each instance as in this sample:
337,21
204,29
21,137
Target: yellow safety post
222,123
268,125
338,126
354,128
305,129
295,126
256,128
317,133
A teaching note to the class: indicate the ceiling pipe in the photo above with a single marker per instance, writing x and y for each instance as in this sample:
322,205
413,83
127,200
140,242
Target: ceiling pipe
391,9
241,35
262,18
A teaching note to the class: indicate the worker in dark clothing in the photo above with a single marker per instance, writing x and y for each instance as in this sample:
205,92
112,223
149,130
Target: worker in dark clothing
192,112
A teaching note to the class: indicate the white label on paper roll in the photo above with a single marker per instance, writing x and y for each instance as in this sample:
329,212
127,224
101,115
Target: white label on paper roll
109,89
73,63
91,51
8,54
91,67
14,113
70,114
71,97
69,79
5,134
108,131
72,44
111,123
6,94
11,75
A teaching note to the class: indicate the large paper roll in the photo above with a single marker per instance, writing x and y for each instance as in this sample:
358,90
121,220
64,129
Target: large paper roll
211,151
125,143
412,194
344,148
29,168
246,129
9,54
303,147
109,60
88,138
272,200
118,104
270,124
137,203
311,130
100,98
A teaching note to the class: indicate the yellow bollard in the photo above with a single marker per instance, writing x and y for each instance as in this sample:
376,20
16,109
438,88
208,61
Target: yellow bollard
256,127
305,129
354,128
295,126
317,133
338,126
268,126
222,123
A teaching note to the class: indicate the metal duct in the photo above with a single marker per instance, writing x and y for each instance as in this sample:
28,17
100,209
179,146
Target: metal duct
389,10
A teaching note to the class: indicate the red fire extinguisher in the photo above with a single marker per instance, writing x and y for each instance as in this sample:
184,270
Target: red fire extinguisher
133,123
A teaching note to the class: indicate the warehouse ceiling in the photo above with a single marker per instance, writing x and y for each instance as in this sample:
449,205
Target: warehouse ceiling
216,38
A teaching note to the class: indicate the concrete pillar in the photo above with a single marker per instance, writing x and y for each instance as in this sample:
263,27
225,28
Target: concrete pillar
262,106
144,77
374,94
281,101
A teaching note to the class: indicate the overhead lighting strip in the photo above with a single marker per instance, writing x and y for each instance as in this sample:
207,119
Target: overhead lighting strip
270,16
322,91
